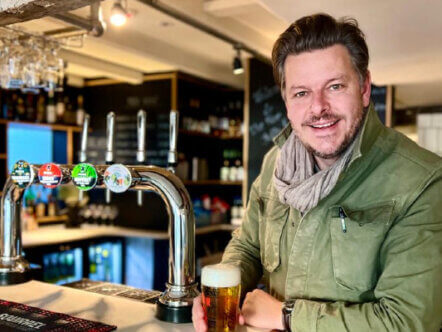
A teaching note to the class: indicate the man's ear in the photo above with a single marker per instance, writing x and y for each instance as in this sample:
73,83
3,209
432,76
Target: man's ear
366,90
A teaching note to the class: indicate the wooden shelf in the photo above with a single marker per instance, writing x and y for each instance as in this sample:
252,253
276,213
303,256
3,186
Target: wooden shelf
197,133
60,127
212,183
52,219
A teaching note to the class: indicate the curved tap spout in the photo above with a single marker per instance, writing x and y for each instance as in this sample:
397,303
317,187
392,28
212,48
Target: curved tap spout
13,267
181,217
175,303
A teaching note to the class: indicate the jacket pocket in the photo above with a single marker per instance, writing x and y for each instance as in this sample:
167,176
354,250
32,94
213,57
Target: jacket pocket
273,216
356,242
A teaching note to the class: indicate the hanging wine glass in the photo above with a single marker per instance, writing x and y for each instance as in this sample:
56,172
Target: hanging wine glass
4,67
51,68
15,61
32,69
61,73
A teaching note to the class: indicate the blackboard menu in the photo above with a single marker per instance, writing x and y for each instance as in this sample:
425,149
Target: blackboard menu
379,99
267,115
126,100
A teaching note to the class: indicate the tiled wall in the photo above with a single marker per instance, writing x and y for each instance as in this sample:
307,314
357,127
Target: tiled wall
429,130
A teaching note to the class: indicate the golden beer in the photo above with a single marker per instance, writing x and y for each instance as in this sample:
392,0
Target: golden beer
221,289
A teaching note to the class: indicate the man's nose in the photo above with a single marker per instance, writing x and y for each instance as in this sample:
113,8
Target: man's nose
319,103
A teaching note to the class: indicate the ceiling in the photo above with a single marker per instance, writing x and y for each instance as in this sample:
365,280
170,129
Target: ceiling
404,38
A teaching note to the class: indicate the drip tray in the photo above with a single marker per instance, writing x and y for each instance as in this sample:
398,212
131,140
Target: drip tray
107,288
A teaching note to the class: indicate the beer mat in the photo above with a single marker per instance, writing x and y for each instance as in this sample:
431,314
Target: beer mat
83,284
140,295
105,288
21,317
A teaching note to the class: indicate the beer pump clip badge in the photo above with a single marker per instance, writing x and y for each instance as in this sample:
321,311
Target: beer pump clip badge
117,178
22,174
84,176
50,175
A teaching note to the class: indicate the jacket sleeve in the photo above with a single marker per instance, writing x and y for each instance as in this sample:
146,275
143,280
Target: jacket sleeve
409,289
243,249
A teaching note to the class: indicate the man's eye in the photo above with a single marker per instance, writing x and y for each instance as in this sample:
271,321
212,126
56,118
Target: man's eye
300,94
335,87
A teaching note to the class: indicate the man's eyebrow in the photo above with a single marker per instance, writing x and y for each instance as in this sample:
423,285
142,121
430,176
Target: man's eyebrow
296,87
303,87
337,78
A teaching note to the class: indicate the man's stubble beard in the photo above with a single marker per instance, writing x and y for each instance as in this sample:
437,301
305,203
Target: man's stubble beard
348,139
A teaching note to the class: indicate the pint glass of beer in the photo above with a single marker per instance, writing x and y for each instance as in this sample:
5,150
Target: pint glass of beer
221,289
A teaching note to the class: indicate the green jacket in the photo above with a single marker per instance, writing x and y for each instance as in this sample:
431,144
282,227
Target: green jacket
384,273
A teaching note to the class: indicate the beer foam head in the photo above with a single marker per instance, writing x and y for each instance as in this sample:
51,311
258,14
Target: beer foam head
220,275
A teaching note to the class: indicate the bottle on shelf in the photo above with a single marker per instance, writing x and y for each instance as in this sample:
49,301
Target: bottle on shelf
11,109
41,109
236,212
40,207
30,108
52,206
224,172
6,105
224,120
233,172
69,113
60,108
239,170
20,114
51,114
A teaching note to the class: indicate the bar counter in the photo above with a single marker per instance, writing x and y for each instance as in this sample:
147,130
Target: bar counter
126,314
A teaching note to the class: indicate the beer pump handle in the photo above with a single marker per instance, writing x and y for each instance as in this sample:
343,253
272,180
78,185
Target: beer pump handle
110,130
109,157
141,134
83,148
84,134
141,152
172,157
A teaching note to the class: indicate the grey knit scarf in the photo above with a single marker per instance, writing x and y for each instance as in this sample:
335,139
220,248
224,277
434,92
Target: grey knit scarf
294,177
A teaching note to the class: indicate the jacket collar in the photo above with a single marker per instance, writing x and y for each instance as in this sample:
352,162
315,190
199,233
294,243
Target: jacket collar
370,131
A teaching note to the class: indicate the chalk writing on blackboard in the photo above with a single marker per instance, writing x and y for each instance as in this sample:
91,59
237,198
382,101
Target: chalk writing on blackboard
273,118
264,93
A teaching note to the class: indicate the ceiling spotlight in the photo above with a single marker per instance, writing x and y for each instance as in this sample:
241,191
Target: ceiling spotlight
237,64
118,14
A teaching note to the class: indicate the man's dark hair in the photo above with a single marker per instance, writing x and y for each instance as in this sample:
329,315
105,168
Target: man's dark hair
316,32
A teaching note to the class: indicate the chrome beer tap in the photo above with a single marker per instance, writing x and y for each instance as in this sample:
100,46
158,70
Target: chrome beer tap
14,269
141,152
109,157
175,303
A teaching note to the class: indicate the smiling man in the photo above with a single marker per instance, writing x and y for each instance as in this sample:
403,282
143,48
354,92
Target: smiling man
344,222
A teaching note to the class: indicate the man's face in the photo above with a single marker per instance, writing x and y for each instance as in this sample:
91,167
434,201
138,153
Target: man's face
324,99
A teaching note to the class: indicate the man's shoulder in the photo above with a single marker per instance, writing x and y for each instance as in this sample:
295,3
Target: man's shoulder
267,169
412,156
405,172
